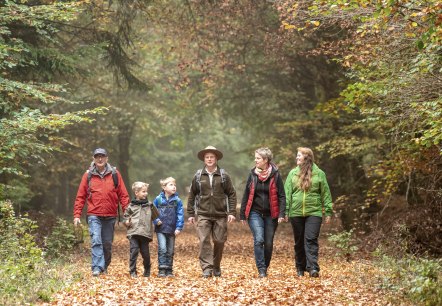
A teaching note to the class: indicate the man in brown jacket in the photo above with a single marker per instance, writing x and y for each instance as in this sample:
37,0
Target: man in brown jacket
212,199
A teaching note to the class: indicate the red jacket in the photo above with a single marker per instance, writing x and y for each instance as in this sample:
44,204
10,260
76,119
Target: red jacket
276,195
104,197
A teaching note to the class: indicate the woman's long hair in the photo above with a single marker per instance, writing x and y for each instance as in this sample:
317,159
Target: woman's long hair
305,175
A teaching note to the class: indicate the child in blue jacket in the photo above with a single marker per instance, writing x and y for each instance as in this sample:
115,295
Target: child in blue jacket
171,212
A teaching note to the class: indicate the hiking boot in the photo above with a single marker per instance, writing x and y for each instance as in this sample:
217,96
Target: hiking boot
217,272
314,273
95,273
169,273
161,273
146,274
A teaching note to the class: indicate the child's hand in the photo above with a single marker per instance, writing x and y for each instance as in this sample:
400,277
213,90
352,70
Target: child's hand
159,222
177,232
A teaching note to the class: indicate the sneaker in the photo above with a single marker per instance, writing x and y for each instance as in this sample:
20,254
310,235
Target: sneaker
217,272
262,273
95,273
300,273
169,273
161,273
133,274
207,274
314,273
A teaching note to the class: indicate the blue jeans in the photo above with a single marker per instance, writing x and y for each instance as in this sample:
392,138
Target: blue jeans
101,230
166,247
263,229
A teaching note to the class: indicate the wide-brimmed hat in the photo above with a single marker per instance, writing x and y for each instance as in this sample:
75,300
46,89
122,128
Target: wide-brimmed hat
210,149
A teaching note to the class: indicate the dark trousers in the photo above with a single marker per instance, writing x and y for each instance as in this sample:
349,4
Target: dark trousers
306,234
139,244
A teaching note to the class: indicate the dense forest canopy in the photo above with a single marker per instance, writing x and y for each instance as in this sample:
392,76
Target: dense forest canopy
360,82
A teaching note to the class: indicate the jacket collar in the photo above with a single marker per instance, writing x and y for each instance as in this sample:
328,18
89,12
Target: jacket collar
94,170
139,202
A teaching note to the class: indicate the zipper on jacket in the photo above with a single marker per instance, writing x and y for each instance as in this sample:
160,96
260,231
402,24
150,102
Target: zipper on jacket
303,205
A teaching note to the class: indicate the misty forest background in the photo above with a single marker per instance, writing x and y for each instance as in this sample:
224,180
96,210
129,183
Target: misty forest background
154,82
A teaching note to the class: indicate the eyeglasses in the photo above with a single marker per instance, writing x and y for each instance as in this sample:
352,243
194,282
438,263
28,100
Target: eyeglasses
98,156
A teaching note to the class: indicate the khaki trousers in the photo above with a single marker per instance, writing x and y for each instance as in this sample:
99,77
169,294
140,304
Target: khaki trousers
215,229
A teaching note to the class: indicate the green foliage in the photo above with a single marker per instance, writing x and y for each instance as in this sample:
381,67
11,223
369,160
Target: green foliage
20,257
26,276
420,279
391,105
345,243
61,240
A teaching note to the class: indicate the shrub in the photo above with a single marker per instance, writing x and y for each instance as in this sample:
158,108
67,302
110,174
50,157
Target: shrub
61,240
26,276
420,279
344,242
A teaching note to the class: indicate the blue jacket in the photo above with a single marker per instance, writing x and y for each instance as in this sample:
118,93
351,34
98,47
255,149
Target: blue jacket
171,213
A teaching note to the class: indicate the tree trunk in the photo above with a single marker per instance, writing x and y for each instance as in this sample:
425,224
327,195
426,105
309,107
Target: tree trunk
124,136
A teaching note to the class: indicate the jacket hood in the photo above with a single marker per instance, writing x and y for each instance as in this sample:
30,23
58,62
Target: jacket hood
172,197
94,169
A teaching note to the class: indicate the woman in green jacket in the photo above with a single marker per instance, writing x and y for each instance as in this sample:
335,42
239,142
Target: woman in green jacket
308,198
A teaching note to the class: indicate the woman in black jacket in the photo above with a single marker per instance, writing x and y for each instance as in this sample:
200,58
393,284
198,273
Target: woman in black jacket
263,206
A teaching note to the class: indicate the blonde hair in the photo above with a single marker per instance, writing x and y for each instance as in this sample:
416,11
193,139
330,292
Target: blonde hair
265,153
165,181
305,175
138,185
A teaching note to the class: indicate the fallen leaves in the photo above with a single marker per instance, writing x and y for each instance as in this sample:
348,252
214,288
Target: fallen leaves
340,283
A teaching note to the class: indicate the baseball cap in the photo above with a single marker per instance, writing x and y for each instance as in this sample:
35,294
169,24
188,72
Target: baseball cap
100,151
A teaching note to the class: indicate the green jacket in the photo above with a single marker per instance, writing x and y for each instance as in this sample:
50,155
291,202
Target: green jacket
312,202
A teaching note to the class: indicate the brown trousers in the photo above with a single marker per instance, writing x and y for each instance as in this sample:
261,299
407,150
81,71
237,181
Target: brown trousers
215,229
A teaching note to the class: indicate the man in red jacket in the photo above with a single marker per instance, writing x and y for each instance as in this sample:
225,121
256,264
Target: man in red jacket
102,188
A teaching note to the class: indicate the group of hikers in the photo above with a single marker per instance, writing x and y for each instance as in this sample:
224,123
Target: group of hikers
303,200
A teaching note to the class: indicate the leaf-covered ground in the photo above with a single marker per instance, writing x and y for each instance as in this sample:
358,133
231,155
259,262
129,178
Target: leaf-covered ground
340,283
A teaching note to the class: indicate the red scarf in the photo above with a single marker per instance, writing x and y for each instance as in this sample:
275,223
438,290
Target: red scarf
263,174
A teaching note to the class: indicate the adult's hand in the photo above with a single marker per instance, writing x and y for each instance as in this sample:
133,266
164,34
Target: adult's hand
77,221
281,220
231,218
327,219
191,220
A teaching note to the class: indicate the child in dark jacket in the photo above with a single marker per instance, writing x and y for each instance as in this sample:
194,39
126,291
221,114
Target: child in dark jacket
138,221
171,213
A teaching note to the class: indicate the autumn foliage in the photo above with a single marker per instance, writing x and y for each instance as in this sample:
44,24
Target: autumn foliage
340,282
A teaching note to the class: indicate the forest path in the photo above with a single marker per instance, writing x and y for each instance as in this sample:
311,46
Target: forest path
340,282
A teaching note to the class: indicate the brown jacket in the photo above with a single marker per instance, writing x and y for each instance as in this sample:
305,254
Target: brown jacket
141,214
218,200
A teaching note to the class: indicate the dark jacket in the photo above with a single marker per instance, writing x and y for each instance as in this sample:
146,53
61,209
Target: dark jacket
104,197
266,198
141,213
171,213
216,200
